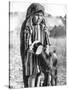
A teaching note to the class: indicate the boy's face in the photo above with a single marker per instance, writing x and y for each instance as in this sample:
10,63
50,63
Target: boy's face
38,17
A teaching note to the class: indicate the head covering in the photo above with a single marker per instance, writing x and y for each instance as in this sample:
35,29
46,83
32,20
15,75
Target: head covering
34,8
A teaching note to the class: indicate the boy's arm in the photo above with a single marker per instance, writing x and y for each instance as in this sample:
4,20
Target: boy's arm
46,42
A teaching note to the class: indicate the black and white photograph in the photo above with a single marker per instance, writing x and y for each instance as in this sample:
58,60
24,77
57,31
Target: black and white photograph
37,44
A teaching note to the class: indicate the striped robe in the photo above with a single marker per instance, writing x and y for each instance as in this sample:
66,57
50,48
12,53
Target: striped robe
30,61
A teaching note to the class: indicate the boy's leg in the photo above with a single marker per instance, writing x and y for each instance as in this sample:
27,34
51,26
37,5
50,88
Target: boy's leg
56,77
45,80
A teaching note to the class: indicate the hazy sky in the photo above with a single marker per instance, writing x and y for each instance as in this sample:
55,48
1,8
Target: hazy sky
53,9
